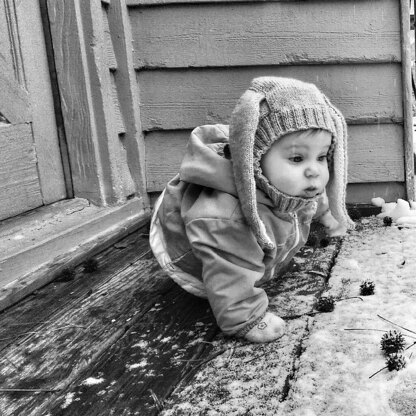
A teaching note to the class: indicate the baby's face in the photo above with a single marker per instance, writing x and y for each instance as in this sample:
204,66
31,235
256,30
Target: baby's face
296,164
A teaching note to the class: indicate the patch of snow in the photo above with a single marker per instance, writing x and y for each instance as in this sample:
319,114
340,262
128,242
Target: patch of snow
141,364
140,344
92,381
69,398
329,376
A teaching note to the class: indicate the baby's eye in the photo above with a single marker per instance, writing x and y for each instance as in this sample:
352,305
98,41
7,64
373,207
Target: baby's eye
322,158
296,159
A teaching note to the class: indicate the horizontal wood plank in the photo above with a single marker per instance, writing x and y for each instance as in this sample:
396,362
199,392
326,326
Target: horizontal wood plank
164,2
164,152
180,99
362,193
19,182
266,33
375,154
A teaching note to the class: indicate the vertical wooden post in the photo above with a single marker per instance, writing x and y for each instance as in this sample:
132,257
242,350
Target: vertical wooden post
73,79
407,99
125,80
103,132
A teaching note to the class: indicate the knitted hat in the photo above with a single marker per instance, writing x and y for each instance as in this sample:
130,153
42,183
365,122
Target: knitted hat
269,109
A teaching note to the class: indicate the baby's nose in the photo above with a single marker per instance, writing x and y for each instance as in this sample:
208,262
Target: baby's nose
311,171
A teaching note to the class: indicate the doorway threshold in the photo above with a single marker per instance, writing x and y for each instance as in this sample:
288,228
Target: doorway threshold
36,246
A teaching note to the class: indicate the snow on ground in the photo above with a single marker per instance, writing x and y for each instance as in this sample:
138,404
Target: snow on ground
333,375
319,368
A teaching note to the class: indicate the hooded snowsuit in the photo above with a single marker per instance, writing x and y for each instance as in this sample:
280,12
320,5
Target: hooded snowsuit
203,237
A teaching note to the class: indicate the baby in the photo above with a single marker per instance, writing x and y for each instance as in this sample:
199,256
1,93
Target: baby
241,206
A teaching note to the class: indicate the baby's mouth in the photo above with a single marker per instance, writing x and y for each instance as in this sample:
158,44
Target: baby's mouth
311,192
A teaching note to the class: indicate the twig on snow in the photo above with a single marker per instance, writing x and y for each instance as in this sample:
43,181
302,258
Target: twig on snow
405,329
381,369
352,297
378,330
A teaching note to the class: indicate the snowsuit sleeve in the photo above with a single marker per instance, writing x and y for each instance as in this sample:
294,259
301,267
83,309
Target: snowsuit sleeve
232,263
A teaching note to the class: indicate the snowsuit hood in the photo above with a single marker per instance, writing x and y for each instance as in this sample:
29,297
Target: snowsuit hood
206,164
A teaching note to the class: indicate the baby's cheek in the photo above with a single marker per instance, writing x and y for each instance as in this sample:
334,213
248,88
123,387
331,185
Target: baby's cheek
325,175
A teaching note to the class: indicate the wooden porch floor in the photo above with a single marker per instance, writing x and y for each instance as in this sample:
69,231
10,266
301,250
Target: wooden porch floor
116,336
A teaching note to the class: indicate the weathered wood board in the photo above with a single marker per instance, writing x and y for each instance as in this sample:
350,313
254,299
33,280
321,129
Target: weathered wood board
19,182
375,154
179,99
39,89
76,97
265,33
89,320
362,193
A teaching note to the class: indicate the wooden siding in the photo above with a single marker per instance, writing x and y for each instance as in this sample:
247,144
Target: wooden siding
194,59
97,86
266,33
179,99
375,154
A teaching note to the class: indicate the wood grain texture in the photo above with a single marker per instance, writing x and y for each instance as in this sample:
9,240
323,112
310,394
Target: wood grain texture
362,193
84,327
70,63
14,103
409,169
42,108
179,99
164,2
82,233
154,354
125,85
19,183
46,301
266,33
375,154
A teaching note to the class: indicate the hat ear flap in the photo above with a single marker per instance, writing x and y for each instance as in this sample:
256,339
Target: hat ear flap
337,185
243,126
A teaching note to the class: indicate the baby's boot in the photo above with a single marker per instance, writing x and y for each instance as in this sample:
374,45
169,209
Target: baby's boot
270,328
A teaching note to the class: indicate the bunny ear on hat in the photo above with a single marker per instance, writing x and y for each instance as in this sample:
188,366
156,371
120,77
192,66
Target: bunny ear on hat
243,126
336,187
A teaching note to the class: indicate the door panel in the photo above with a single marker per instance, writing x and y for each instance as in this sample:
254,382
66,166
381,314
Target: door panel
31,171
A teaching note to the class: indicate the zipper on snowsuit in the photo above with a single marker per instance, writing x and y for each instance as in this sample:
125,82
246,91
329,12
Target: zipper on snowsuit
294,215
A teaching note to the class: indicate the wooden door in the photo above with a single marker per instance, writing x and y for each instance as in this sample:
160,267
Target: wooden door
31,172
